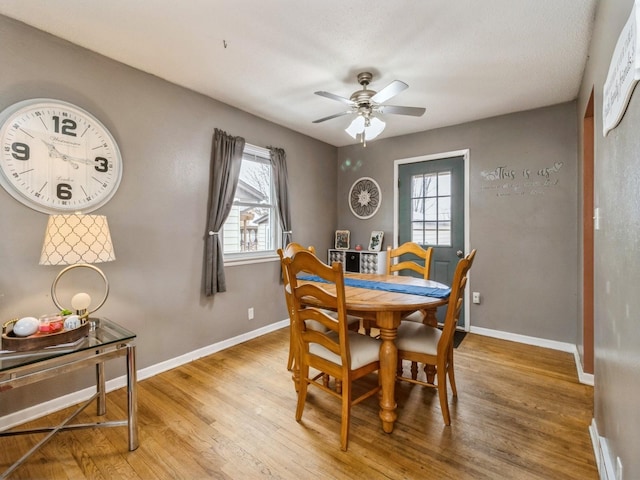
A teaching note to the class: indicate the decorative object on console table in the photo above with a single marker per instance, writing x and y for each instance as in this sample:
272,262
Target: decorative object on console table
78,241
375,244
358,261
342,239
15,343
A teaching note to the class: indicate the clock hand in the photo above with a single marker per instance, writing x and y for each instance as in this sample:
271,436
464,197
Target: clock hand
55,153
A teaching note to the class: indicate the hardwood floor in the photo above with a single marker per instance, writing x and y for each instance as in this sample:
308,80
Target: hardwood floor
520,414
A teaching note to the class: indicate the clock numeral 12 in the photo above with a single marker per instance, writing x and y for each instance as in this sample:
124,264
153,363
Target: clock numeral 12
67,126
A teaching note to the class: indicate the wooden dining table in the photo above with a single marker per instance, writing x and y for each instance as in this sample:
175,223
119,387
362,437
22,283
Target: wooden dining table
386,309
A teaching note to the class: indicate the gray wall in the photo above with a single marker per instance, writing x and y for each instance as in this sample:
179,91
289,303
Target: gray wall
617,263
158,216
525,231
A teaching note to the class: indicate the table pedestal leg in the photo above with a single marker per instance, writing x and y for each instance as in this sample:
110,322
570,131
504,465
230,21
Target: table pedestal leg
388,366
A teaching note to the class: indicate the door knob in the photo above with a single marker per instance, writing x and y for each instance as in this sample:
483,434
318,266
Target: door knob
459,253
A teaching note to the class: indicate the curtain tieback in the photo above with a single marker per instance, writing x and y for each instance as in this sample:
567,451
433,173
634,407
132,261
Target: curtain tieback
211,233
288,231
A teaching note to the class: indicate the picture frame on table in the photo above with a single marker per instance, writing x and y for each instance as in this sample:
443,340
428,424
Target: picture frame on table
342,239
375,243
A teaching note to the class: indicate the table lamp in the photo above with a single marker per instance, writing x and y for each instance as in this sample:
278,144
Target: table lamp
79,241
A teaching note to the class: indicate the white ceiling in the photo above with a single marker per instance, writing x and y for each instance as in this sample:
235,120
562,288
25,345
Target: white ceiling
463,59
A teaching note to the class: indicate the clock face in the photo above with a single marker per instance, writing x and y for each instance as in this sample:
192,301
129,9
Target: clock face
56,157
365,197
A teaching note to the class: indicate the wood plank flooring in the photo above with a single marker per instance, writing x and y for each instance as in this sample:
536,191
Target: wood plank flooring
520,414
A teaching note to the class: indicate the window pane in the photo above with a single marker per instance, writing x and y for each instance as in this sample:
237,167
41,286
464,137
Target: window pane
231,231
444,184
431,209
417,232
444,208
417,212
255,179
431,184
444,233
431,233
417,186
252,225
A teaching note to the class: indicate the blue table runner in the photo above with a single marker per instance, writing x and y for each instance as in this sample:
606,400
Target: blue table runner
384,286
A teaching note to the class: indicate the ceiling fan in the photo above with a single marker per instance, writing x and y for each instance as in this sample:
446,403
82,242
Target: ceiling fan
366,103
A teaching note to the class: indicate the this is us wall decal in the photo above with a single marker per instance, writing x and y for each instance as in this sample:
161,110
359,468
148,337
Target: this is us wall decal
503,181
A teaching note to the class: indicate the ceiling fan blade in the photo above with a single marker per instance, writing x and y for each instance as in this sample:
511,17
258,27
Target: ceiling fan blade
389,91
333,96
333,116
414,111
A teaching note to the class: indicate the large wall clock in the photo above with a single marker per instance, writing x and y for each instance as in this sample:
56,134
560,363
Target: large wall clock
365,197
57,157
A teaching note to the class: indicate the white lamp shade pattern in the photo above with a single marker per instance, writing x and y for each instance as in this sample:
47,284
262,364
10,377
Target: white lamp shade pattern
76,238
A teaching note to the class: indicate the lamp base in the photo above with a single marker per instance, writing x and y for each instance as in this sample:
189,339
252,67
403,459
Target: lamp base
54,296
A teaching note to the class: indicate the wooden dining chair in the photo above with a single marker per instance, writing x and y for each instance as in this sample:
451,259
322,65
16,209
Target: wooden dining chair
416,259
343,354
418,342
290,250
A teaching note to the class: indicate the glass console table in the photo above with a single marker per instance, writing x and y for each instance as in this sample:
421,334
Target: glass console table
106,340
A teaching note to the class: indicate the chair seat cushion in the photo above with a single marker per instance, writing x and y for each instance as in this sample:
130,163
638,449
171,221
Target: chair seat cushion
416,316
364,350
419,338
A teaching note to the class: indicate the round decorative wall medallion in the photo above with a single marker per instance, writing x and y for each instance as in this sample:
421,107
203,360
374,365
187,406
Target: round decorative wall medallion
365,198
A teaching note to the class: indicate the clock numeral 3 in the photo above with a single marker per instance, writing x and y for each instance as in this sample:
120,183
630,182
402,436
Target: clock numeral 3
103,165
63,191
20,151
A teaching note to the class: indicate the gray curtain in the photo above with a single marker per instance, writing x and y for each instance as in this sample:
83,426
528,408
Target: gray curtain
226,160
279,162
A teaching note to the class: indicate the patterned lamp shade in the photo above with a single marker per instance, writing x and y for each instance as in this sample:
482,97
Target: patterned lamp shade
77,238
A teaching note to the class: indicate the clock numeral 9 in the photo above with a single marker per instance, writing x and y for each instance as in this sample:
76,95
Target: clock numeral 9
20,151
103,165
63,191
66,127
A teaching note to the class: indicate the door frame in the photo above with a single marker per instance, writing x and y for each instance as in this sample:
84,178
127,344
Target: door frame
588,246
467,242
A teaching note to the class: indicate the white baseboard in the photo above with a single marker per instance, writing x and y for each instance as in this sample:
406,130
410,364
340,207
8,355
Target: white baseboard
42,409
604,460
585,378
31,413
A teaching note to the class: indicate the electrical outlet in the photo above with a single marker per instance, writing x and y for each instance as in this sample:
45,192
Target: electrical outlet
250,313
476,297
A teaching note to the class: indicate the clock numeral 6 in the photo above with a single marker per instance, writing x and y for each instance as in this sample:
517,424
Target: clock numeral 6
63,191
20,151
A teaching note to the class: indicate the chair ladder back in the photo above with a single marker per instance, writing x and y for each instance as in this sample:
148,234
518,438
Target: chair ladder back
454,306
306,262
289,251
411,248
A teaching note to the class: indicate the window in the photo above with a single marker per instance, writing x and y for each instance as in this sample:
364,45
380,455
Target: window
431,209
252,227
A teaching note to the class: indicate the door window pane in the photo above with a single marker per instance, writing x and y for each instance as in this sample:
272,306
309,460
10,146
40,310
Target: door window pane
431,202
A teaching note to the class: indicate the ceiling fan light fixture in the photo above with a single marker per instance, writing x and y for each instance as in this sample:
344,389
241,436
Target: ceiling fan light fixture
375,128
368,128
356,127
